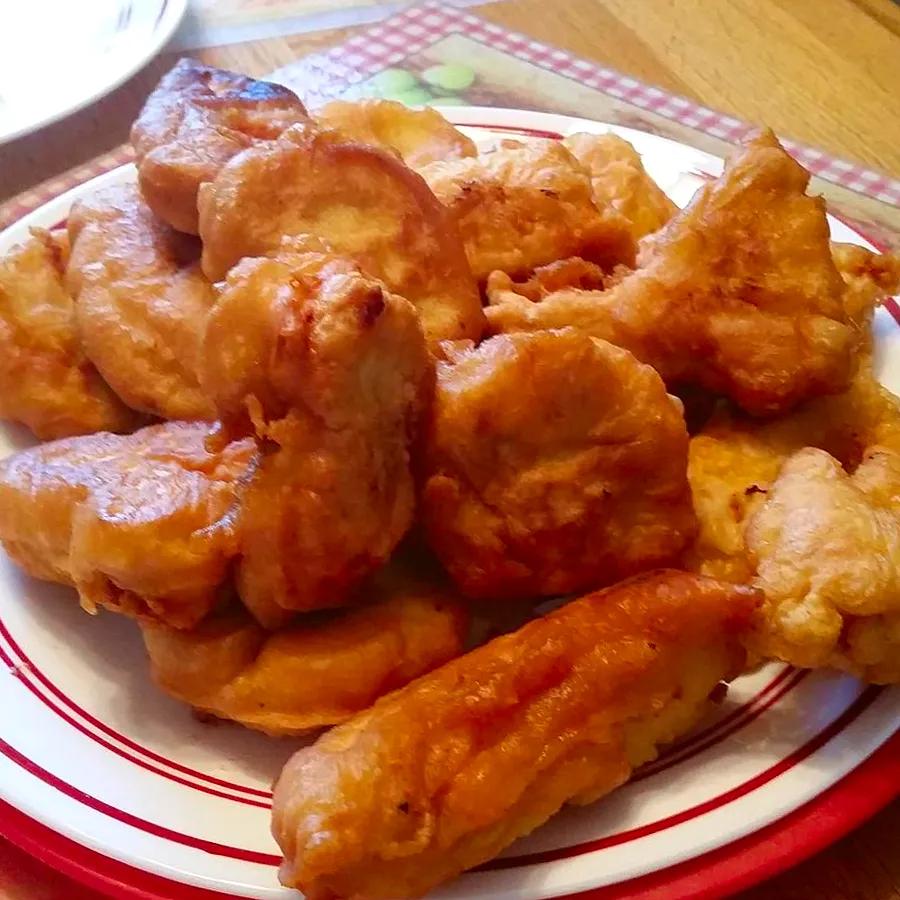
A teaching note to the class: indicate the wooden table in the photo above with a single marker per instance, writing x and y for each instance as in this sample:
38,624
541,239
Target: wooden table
821,71
825,72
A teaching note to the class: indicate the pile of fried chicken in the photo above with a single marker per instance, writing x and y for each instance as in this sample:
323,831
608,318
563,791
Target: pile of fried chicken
322,388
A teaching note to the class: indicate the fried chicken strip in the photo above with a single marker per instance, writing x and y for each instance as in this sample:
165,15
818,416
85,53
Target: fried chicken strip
619,180
196,119
443,774
318,671
826,546
553,463
46,381
519,207
363,202
141,302
143,524
749,256
418,136
329,371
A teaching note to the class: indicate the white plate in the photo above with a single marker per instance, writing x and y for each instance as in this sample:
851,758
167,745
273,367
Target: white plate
56,56
91,749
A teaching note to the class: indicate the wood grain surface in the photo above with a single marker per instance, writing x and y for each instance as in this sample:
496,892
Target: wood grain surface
826,72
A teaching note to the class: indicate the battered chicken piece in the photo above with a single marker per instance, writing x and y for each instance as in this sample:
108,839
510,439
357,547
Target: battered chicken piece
418,136
329,371
553,463
443,774
143,524
46,381
317,672
748,257
619,180
521,206
360,200
196,119
141,302
733,461
827,549
870,278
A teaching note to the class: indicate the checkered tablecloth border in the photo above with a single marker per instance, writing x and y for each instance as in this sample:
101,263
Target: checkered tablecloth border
325,75
418,27
30,200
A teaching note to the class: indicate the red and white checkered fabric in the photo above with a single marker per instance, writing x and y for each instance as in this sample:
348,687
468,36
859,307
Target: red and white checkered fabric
14,209
389,43
325,75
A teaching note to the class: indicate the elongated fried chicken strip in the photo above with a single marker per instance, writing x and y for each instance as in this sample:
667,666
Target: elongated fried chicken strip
553,463
826,546
418,136
329,371
318,671
521,206
141,302
446,772
144,524
196,119
46,381
363,202
734,460
748,257
619,180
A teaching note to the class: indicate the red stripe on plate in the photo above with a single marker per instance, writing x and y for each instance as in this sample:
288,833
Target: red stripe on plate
681,746
111,732
187,840
518,129
674,757
747,787
4,657
692,751
863,702
893,308
864,791
661,764
806,830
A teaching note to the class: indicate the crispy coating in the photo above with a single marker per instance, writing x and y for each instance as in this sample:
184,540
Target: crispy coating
749,256
141,302
827,550
870,278
619,180
418,136
331,370
729,472
318,671
46,381
553,463
360,200
733,461
573,272
144,524
443,774
196,119
522,206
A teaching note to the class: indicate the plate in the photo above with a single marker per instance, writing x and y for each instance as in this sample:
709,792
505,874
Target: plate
90,49
118,785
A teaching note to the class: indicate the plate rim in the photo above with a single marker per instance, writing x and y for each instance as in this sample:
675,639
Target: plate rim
170,16
868,787
825,819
